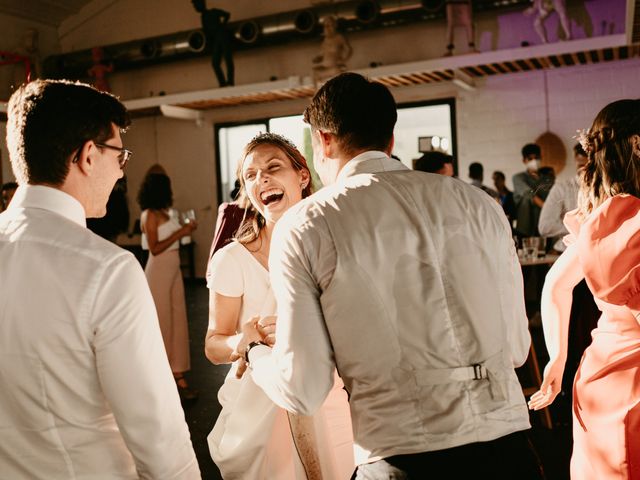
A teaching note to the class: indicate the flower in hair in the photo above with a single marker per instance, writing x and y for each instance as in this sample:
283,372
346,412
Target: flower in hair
584,139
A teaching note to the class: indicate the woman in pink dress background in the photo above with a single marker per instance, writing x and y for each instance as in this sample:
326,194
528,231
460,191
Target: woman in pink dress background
604,249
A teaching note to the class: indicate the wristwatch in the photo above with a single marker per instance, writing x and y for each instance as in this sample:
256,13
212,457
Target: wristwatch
249,347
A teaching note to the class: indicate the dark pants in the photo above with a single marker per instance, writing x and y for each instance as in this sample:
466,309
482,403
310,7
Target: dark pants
507,458
584,318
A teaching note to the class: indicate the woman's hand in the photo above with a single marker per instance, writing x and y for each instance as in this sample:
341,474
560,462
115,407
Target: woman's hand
551,385
187,228
267,328
250,333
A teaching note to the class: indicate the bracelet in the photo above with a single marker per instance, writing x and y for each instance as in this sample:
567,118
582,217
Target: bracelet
249,347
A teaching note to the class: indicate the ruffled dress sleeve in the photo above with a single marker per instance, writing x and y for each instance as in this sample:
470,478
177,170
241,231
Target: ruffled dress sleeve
609,249
224,273
573,227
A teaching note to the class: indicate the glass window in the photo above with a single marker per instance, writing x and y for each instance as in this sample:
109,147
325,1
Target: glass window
231,142
422,121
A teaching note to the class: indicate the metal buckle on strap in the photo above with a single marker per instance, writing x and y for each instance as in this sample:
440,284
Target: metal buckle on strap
477,371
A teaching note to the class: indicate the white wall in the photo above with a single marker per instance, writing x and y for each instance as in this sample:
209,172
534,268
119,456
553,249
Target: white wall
508,111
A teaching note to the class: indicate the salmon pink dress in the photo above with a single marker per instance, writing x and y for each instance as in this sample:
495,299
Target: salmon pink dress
606,401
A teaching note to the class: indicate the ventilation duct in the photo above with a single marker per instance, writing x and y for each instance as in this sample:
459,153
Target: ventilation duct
304,22
267,30
298,22
175,46
397,6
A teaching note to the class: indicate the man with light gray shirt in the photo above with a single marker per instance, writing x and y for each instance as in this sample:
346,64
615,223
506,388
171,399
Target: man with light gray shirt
409,285
87,392
562,198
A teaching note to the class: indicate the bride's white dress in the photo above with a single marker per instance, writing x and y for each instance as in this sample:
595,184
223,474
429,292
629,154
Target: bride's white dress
252,437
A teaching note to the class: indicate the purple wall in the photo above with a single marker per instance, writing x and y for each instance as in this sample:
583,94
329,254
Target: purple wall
588,18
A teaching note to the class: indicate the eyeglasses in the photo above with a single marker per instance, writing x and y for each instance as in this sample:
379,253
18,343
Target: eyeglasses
124,155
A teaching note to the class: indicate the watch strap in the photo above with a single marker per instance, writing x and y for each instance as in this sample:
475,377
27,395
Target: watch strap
249,347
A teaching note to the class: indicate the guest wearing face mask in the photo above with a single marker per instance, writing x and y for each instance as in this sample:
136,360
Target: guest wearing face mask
527,192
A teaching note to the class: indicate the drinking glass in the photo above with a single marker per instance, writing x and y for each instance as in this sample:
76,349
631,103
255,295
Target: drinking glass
188,216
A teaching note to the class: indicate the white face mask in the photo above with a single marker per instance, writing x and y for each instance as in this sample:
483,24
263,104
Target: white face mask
533,164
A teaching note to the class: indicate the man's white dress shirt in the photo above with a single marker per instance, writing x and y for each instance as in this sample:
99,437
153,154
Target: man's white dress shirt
410,285
86,389
562,198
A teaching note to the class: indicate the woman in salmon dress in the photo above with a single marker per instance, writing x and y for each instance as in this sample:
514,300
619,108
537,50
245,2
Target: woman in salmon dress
604,249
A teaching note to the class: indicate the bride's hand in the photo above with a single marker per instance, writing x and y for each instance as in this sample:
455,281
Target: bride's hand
249,333
267,328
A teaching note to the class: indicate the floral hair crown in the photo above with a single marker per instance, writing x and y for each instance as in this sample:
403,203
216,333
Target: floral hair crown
584,138
265,137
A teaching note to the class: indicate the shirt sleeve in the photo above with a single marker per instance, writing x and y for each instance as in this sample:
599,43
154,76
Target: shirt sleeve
135,375
224,274
609,246
298,373
550,223
520,187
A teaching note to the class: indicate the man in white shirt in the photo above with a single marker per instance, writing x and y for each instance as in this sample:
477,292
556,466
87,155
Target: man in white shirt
86,387
407,283
562,198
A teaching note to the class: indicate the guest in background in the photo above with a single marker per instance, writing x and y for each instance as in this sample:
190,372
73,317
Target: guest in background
8,189
526,192
562,198
435,162
604,249
161,234
86,387
505,196
476,174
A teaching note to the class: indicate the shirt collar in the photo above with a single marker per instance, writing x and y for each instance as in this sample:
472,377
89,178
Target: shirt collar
48,198
372,161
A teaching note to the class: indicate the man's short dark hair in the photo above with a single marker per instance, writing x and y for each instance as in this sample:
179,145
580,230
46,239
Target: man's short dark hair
432,162
359,112
9,186
499,174
476,171
578,150
530,149
48,120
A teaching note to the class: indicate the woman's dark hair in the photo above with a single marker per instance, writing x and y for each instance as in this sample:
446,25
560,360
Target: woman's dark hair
612,166
155,192
250,228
